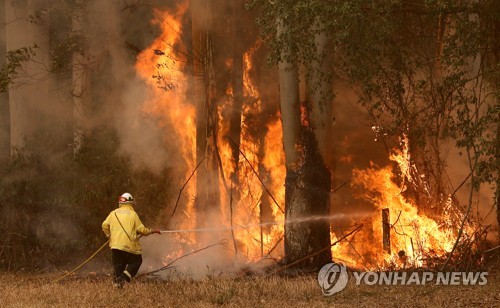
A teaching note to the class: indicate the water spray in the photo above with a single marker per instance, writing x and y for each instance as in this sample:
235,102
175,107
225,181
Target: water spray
274,223
219,229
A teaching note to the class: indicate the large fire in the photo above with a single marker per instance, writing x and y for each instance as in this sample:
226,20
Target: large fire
413,235
163,68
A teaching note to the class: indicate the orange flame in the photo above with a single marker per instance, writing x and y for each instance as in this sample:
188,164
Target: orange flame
411,231
413,234
168,99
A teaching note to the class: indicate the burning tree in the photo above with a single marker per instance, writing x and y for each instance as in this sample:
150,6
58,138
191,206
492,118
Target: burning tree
237,152
234,151
205,101
305,126
253,145
217,123
421,71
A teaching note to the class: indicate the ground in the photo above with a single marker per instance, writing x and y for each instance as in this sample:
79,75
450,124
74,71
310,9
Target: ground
22,290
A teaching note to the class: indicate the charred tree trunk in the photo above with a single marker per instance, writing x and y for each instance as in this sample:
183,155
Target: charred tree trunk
212,151
207,177
237,86
307,182
320,145
307,194
265,207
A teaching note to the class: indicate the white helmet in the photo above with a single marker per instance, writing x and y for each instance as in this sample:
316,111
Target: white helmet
126,198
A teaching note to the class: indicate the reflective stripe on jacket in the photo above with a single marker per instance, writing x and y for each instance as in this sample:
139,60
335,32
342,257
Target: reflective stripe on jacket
125,236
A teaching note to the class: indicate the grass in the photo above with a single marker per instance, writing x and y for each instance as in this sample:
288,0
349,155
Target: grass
21,290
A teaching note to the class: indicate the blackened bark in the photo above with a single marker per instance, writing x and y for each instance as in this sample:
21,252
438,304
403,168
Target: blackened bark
237,85
307,183
307,194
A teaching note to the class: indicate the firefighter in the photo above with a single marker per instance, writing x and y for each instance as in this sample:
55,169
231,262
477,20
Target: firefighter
123,228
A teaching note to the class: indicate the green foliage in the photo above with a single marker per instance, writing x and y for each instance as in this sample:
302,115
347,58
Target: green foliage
427,69
13,61
295,45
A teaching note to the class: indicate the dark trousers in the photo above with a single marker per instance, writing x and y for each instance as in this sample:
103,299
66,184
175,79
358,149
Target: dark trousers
125,262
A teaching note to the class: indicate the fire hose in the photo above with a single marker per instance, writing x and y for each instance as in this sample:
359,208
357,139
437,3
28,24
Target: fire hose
161,231
84,262
203,230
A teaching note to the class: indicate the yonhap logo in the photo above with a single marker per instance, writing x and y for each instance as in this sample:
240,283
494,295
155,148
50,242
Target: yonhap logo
332,278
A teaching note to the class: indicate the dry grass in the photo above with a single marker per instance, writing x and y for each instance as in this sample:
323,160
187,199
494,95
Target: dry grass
37,291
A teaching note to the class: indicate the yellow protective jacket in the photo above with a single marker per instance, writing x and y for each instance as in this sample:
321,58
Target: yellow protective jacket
124,236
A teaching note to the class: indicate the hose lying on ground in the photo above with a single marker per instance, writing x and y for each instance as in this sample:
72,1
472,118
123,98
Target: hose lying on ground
85,262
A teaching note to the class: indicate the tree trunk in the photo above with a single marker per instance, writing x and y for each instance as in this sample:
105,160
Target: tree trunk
321,95
207,177
319,147
496,62
307,195
497,193
4,96
81,87
307,180
237,86
28,96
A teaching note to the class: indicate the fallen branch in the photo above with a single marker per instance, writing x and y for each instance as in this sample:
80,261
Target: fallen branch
221,168
256,174
274,247
490,250
340,186
482,253
359,255
356,230
222,243
397,219
184,186
268,255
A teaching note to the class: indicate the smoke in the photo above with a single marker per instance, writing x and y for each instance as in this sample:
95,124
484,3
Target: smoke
355,146
141,138
195,255
195,261
114,35
114,38
457,171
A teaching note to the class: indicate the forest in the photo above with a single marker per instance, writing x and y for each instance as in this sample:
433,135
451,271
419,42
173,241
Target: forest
279,134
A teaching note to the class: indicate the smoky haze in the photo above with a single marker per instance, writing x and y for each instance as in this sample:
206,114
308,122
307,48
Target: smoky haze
115,32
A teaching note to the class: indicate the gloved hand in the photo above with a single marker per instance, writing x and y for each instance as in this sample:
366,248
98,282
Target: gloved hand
156,231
